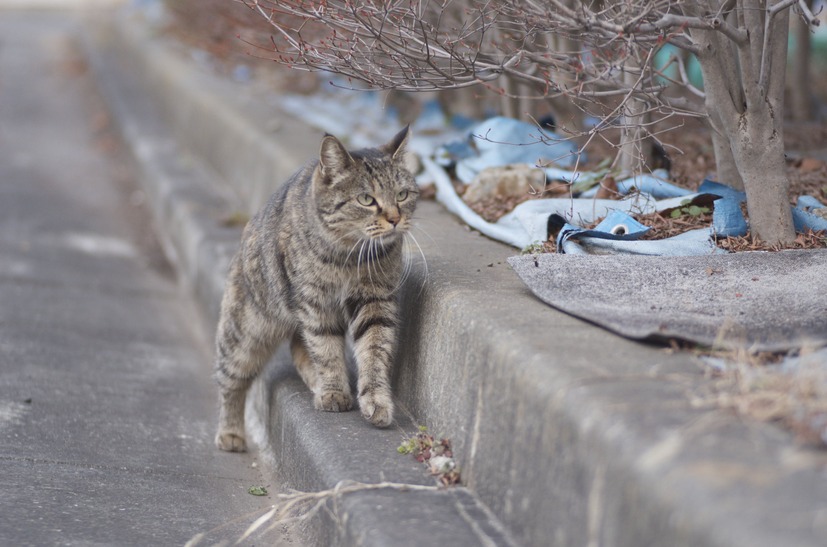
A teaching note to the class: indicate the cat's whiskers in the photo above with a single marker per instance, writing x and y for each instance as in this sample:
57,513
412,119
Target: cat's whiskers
359,257
378,264
353,248
425,232
406,268
424,261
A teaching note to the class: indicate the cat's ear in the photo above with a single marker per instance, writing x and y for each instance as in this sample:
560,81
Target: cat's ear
333,156
396,147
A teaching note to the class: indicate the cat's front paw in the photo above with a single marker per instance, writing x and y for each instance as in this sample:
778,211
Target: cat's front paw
230,442
377,409
333,401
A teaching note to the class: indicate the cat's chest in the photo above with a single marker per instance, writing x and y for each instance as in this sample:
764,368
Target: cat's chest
333,286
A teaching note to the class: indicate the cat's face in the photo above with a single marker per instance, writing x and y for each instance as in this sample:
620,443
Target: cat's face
367,195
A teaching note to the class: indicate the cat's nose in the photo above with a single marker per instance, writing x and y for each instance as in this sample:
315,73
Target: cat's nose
393,217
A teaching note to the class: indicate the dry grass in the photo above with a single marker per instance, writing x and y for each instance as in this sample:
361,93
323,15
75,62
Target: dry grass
765,388
810,240
295,508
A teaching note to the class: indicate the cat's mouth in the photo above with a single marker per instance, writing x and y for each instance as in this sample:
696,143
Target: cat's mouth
387,236
387,233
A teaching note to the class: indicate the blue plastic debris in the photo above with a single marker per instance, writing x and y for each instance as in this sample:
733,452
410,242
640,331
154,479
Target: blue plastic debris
654,185
448,154
804,218
727,217
242,74
504,141
711,187
528,222
533,217
620,233
572,240
621,224
617,226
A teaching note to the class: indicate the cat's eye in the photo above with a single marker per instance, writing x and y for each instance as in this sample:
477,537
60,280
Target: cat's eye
365,199
402,195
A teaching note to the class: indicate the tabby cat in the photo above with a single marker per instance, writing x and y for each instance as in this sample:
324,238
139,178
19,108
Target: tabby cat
322,259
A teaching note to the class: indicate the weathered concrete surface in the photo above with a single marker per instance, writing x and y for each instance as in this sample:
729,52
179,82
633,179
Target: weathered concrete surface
758,301
106,406
568,434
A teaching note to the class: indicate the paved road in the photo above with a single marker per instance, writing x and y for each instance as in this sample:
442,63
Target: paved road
106,404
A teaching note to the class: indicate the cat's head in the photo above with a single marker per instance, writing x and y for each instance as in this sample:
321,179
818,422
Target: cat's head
365,195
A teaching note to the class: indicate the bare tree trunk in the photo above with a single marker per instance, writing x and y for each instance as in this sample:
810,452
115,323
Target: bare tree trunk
569,118
761,162
760,159
510,104
752,117
635,147
724,63
726,168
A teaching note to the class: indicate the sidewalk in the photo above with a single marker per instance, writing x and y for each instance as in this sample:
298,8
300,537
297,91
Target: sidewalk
106,405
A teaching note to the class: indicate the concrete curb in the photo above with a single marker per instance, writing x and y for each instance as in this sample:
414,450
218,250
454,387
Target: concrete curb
568,434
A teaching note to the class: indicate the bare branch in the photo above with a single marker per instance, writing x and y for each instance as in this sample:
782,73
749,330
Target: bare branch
808,16
766,49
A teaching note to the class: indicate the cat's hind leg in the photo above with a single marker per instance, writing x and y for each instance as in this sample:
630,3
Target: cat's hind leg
244,343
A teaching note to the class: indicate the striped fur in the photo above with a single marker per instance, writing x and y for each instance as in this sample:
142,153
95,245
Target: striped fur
321,260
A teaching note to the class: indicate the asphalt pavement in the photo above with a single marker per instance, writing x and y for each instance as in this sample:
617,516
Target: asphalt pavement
106,404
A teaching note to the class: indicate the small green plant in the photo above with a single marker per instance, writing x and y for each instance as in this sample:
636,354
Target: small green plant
257,491
407,447
534,249
687,208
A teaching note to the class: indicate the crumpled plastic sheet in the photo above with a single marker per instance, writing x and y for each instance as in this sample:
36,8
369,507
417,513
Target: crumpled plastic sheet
361,117
620,233
654,184
803,216
592,242
532,217
727,218
528,223
501,141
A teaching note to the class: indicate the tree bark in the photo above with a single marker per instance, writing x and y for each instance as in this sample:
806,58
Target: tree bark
635,147
725,166
758,151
